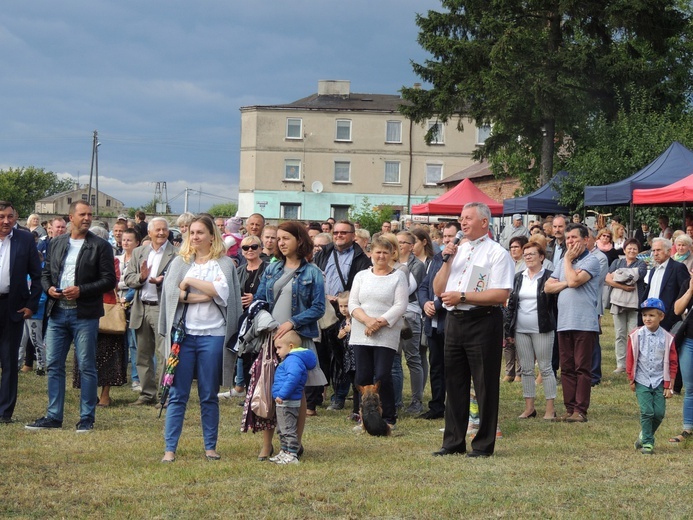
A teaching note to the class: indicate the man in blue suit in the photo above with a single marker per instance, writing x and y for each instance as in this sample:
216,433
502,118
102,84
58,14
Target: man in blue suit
664,280
18,301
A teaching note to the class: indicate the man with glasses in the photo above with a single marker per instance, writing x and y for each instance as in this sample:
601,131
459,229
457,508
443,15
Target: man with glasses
340,261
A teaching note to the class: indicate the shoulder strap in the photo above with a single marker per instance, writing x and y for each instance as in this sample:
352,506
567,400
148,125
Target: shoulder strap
339,271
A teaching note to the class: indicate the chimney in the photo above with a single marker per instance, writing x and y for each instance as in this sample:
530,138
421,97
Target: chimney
334,87
417,86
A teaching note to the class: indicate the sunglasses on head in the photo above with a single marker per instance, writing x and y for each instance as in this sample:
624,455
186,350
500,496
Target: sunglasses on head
252,246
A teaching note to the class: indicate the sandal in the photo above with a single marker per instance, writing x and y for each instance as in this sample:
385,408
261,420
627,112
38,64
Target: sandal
681,437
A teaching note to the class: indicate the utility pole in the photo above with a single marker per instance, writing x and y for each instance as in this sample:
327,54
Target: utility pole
185,204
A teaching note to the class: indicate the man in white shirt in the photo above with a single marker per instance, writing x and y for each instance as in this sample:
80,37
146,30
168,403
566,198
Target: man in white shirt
146,274
472,287
664,280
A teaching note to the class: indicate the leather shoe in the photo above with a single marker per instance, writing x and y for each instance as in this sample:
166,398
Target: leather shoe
431,415
142,401
478,454
445,451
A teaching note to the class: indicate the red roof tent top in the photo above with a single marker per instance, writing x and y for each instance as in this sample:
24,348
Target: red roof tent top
452,202
676,193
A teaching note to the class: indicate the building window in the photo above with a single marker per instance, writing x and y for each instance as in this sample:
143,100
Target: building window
85,198
482,133
434,173
343,132
340,212
393,134
392,172
292,170
108,203
342,171
290,211
294,128
93,200
437,133
69,200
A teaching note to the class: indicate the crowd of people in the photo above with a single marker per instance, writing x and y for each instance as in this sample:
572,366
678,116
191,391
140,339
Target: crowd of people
293,318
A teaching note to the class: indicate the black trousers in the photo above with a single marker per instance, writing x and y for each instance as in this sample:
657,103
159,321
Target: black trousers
473,350
436,361
10,336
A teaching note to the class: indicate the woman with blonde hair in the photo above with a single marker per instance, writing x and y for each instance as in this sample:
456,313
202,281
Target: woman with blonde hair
33,222
683,244
200,289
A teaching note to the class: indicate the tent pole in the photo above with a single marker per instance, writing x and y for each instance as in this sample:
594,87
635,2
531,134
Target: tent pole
683,225
632,215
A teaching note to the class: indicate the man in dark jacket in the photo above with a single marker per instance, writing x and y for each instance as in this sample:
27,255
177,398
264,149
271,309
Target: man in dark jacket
19,259
79,269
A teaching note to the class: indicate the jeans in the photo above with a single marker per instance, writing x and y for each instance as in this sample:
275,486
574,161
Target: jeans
410,347
64,327
131,345
200,356
686,368
397,379
652,409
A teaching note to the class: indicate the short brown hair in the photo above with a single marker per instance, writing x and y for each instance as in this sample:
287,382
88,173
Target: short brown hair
304,249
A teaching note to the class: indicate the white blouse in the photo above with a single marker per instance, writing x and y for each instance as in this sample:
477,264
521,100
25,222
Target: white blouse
207,319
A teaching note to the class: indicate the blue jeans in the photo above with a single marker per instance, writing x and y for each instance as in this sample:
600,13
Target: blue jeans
131,342
686,368
398,379
64,327
200,356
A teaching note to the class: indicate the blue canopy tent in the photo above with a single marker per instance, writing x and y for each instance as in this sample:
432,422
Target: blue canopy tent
674,164
543,201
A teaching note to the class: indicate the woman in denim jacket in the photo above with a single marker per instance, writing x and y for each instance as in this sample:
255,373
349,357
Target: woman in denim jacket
295,291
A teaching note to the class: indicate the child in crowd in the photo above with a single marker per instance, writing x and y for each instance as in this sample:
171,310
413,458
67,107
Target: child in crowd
651,364
287,391
232,238
348,371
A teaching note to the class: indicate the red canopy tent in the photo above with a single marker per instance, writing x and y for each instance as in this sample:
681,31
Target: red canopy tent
676,193
452,202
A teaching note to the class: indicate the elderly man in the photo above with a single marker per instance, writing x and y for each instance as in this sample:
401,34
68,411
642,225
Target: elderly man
145,274
664,280
576,281
473,287
556,247
516,229
19,260
78,271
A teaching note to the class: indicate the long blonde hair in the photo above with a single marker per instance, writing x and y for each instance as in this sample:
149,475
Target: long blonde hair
217,250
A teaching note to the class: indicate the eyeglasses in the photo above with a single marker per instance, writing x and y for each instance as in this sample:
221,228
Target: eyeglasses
530,255
252,246
341,232
408,243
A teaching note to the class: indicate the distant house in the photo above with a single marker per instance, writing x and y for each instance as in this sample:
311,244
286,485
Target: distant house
318,156
59,204
481,175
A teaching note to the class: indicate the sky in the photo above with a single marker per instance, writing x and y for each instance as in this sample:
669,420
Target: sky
163,81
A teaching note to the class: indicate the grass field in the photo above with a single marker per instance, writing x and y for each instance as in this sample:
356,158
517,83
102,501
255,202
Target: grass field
540,469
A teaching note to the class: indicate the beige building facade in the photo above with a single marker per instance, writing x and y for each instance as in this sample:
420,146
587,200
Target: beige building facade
59,204
319,156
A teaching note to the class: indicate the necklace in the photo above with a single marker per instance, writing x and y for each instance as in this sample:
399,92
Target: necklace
252,282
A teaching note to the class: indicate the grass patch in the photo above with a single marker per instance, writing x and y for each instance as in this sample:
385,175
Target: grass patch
540,470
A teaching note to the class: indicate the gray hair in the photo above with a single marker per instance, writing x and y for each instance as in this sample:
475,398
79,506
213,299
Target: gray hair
185,219
99,231
150,226
481,209
666,243
684,239
326,236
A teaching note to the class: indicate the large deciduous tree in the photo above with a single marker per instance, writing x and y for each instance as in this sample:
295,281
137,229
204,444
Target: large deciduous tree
538,69
24,186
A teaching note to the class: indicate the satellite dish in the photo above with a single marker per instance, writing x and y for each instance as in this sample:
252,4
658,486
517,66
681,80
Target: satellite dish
317,187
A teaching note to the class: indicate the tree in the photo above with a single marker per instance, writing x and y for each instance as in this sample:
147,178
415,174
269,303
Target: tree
538,70
150,207
24,186
228,209
371,217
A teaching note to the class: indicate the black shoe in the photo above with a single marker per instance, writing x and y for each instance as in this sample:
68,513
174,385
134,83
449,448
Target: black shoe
299,454
478,454
84,426
44,423
445,451
430,415
7,420
40,372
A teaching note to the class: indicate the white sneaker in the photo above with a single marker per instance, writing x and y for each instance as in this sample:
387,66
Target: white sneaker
136,387
277,457
358,428
235,393
224,395
288,458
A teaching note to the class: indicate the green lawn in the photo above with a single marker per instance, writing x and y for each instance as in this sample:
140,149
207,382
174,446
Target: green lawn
540,469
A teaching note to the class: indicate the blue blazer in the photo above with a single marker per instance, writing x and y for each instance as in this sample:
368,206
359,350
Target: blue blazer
24,263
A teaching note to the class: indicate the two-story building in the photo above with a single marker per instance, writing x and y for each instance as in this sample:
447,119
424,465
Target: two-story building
319,156
59,204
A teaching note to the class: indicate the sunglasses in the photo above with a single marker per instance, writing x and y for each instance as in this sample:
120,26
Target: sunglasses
253,247
341,232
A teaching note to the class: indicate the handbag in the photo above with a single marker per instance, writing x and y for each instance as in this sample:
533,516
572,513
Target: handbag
113,320
262,403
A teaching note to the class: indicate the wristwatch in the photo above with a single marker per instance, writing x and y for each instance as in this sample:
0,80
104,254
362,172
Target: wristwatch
463,297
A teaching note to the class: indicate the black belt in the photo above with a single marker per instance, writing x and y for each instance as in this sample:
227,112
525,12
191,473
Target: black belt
475,312
4,296
153,304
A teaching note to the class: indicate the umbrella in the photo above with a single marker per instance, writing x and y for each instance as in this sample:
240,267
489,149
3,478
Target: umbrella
173,358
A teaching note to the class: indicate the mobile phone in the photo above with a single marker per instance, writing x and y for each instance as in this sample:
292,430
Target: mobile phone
58,290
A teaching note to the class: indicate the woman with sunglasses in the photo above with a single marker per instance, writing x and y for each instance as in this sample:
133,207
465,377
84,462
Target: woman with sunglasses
249,275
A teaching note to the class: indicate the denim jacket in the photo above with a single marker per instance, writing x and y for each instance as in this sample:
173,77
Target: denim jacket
307,295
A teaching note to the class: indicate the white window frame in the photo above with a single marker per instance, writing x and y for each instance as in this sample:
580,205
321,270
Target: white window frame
334,207
479,142
387,127
337,127
334,173
300,128
292,163
426,179
283,206
440,135
399,173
